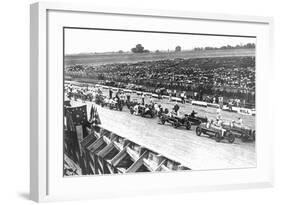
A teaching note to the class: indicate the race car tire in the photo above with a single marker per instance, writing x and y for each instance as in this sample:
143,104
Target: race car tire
230,138
217,137
244,138
198,131
162,120
188,125
175,124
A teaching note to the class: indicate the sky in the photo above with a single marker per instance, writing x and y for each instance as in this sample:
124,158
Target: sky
91,41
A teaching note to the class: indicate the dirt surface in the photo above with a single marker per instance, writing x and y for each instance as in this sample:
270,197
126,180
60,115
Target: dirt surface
184,146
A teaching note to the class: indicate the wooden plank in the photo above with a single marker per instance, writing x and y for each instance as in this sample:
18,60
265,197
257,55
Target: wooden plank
88,140
148,165
106,150
137,164
119,157
133,154
110,168
101,165
92,168
109,139
160,165
94,163
95,145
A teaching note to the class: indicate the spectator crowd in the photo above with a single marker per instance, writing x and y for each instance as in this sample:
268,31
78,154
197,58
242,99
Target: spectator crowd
204,78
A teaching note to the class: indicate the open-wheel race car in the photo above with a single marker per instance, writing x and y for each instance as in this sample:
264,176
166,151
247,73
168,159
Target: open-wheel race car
144,111
88,96
217,132
113,104
131,104
100,99
175,121
196,120
242,132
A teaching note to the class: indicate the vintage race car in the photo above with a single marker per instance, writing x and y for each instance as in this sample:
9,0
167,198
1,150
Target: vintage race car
175,121
162,111
217,132
131,104
100,99
239,131
116,106
143,111
88,96
197,120
113,104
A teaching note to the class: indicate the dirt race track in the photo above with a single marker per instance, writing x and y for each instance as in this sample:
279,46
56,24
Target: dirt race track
184,146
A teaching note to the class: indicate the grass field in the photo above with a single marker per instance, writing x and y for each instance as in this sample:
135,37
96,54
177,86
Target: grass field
108,58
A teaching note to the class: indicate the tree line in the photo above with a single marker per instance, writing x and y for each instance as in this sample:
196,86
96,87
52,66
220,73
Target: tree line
139,48
248,45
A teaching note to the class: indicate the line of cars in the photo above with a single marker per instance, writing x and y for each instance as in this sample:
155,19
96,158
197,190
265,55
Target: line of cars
227,131
112,104
186,120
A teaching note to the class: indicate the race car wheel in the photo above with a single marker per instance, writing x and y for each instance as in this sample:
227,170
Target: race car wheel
121,108
131,111
162,119
244,137
230,138
175,124
187,125
198,131
217,137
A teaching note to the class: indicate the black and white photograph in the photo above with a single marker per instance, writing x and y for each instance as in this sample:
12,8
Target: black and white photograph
151,101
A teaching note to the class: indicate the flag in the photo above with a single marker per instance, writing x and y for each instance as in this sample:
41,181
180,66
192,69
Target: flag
97,117
69,122
78,115
92,113
94,116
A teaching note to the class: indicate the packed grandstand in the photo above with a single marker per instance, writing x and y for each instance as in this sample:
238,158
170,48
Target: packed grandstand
204,79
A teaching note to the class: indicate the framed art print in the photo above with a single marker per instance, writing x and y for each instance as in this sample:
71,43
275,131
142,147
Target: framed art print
147,101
